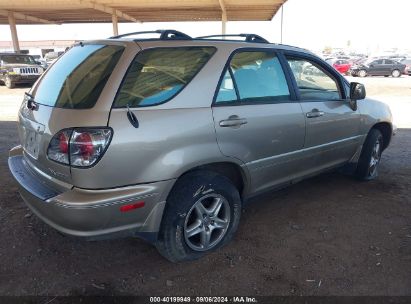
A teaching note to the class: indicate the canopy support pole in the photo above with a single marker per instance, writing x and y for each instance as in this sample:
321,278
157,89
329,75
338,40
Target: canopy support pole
223,23
223,17
13,30
282,18
114,20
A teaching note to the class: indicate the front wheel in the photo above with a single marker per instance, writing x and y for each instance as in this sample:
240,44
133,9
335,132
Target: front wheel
9,84
362,73
367,168
396,73
202,214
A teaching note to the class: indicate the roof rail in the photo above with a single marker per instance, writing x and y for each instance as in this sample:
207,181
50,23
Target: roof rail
248,37
164,35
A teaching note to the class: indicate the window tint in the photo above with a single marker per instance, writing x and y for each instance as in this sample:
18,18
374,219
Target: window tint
258,77
378,62
387,61
227,91
76,80
157,75
313,82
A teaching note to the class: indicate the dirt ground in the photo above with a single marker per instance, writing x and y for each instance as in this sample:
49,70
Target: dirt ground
329,235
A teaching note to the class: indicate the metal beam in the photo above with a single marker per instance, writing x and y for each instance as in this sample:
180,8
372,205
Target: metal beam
107,9
282,19
13,30
25,17
223,17
114,20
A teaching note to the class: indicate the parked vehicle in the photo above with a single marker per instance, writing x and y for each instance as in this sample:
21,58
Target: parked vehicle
341,65
50,57
40,61
18,68
407,62
166,138
378,67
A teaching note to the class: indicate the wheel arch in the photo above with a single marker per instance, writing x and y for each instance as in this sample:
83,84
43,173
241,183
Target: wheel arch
386,130
233,171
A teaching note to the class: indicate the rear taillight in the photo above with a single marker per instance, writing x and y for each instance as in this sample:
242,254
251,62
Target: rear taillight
79,147
59,147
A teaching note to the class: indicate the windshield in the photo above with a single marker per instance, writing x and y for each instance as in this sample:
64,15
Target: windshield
13,59
76,80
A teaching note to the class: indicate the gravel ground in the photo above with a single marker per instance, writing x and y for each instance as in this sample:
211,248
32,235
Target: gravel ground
329,235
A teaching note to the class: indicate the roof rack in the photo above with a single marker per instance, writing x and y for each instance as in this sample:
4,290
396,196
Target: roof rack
248,37
164,35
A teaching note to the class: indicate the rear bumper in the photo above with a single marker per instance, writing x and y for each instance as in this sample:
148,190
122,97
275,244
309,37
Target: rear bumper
93,214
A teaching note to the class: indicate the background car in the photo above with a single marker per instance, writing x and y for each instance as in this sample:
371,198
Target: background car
18,68
407,62
341,65
378,67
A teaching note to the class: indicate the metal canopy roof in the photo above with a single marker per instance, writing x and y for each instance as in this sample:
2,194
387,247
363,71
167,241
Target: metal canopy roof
75,11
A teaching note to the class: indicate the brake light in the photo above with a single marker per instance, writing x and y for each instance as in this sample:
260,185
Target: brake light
59,147
79,147
63,143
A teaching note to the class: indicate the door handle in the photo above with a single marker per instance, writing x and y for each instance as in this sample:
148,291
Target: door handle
233,121
314,113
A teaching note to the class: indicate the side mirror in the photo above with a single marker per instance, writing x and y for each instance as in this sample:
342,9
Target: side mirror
357,91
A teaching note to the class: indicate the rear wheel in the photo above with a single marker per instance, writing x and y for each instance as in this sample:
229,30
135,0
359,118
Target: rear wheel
202,214
9,83
367,168
396,73
362,73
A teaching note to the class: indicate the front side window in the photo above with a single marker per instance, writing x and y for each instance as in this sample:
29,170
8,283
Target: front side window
157,75
258,77
313,82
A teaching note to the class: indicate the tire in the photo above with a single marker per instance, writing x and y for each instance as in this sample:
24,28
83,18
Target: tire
185,213
396,73
362,73
367,167
9,84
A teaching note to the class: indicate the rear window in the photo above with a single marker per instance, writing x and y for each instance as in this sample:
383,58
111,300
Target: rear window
76,80
157,75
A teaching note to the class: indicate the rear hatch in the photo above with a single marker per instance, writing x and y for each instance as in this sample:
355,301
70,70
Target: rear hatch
71,93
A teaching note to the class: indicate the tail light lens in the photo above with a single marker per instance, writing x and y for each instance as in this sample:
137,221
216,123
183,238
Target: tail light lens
59,147
88,145
79,147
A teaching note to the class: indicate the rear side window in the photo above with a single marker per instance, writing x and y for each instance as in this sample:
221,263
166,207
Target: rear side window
76,80
258,77
157,75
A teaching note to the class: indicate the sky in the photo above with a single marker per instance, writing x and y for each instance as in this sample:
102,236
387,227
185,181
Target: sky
364,25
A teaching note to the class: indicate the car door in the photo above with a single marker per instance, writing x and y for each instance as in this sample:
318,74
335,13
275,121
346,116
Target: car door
257,118
388,66
376,68
332,126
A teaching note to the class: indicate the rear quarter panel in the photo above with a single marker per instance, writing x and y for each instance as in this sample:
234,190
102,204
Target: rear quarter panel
166,144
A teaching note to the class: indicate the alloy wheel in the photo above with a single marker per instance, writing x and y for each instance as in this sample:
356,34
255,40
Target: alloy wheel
207,222
375,159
